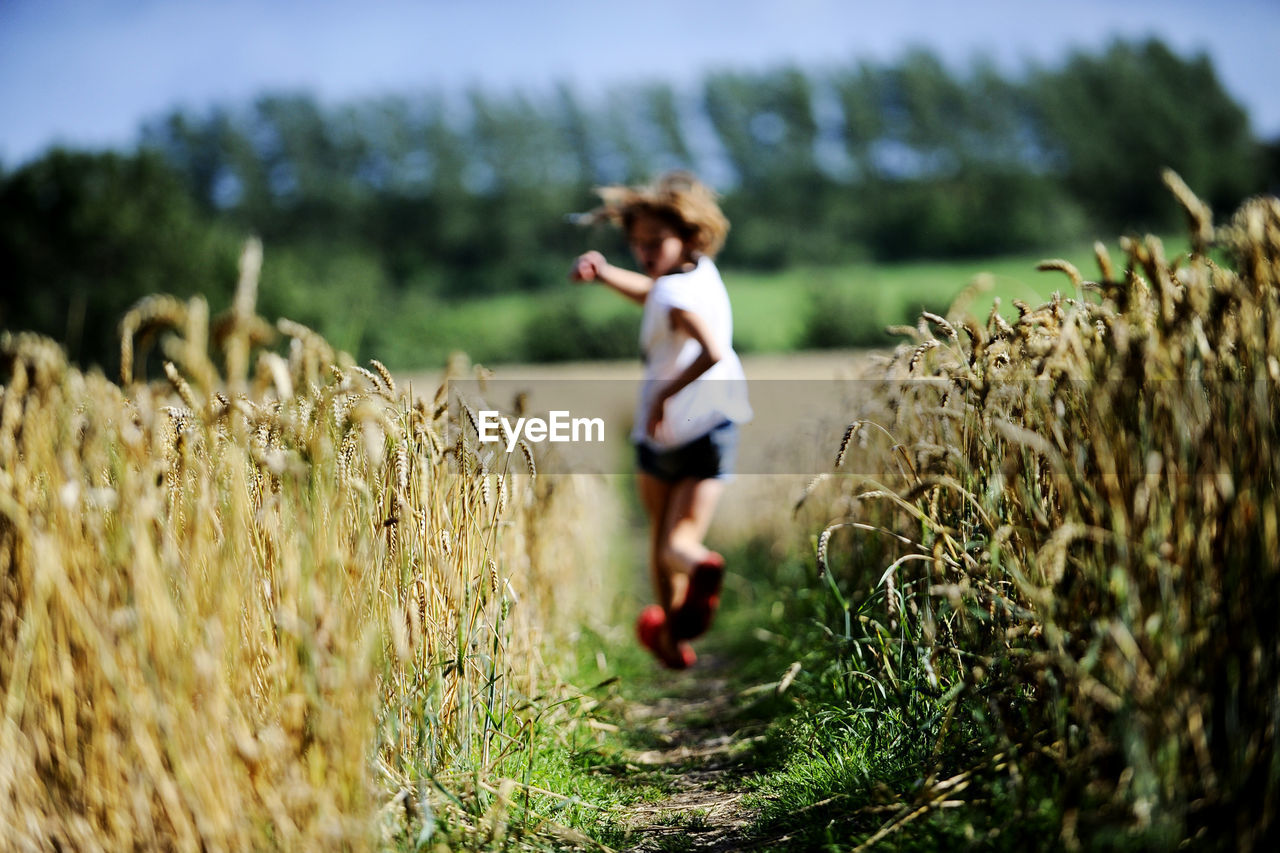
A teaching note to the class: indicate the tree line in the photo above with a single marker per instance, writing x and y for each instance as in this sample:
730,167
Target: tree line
442,196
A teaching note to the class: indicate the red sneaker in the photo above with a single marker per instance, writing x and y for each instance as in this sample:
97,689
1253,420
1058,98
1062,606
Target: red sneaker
693,618
649,627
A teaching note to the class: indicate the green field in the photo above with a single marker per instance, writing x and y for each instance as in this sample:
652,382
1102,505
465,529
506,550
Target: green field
798,308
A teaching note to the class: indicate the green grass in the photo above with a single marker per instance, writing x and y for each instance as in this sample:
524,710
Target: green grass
845,757
771,309
838,759
834,766
773,312
757,631
830,765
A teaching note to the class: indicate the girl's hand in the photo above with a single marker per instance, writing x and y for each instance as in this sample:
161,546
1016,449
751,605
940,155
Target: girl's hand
591,266
654,425
588,267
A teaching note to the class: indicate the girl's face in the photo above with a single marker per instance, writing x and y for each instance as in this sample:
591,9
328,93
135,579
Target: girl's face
656,246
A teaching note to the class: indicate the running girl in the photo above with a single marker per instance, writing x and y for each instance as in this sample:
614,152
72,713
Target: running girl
692,399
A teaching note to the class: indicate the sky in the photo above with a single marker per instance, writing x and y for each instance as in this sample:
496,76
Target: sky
87,73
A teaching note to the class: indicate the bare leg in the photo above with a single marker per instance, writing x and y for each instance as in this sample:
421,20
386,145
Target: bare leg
700,572
670,587
655,494
691,505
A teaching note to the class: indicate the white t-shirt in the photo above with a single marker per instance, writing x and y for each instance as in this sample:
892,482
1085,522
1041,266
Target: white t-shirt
717,395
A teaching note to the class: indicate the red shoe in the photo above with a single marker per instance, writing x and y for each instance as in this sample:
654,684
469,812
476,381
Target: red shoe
649,628
694,617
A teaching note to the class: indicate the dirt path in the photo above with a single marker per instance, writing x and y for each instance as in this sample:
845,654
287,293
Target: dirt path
703,746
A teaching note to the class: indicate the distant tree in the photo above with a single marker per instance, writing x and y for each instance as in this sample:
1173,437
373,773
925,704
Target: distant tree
459,194
1111,121
663,110
575,126
625,145
929,113
83,236
764,121
203,149
1269,154
858,90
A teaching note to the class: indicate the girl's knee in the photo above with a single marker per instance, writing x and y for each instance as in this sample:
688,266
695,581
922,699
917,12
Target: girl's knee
678,556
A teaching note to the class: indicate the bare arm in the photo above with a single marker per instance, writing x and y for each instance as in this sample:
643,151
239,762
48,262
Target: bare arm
711,353
592,266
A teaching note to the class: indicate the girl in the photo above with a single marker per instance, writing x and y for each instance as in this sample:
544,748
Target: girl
692,398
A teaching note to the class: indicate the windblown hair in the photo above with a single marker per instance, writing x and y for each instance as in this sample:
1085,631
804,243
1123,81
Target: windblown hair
677,199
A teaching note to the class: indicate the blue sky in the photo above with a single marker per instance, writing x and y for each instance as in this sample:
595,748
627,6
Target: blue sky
87,73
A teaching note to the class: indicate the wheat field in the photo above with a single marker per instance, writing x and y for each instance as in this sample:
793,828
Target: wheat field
273,603
278,600
1070,523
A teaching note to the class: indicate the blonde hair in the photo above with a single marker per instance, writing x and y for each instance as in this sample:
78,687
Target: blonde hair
677,199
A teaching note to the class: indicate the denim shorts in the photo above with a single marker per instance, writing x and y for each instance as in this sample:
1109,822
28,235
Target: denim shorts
711,456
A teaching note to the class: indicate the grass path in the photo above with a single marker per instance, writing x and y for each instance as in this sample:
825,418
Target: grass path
683,760
693,758
701,746
691,746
